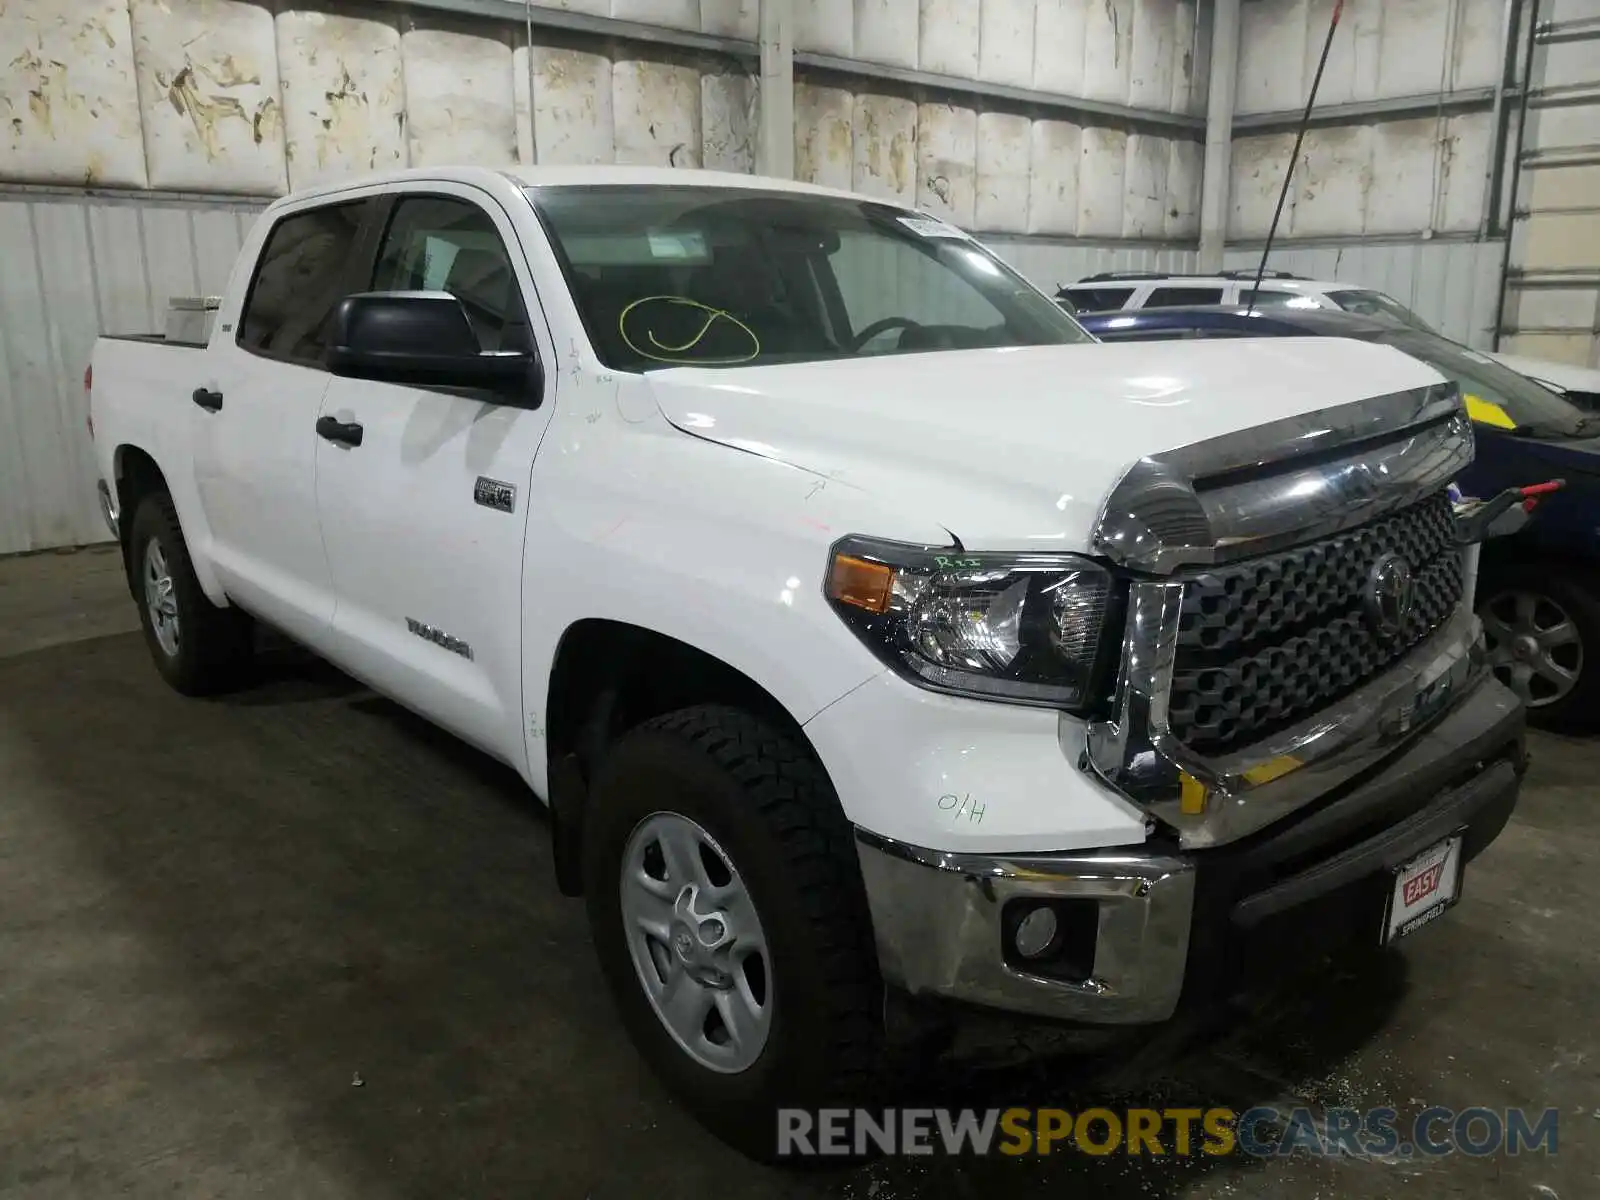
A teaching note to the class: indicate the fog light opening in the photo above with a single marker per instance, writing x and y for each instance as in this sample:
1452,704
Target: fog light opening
1037,933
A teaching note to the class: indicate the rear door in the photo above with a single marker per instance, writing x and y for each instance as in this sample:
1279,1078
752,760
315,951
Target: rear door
424,520
253,411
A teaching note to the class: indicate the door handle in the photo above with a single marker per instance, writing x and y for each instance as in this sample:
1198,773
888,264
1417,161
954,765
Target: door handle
207,399
335,430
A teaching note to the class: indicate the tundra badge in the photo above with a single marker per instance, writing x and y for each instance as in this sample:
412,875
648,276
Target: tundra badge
431,633
491,493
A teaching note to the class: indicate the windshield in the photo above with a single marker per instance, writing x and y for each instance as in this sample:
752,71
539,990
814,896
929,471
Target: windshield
1376,304
1495,395
710,277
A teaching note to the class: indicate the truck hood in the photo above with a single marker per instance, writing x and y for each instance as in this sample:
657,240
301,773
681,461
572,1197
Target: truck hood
1018,448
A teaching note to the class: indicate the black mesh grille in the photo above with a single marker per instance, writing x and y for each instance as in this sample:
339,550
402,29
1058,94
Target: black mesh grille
1268,641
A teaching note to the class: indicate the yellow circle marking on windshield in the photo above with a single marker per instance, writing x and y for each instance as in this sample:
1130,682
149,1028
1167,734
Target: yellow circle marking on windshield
681,353
1486,413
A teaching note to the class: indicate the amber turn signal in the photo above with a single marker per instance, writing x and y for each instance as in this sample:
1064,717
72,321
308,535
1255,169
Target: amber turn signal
860,583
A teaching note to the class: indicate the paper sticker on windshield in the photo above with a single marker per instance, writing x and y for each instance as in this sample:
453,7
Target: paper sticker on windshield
1486,413
932,227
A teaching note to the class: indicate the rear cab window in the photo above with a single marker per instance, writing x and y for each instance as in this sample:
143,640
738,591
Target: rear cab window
301,276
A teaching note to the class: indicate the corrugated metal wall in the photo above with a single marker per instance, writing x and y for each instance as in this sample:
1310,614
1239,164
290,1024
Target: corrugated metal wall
1449,284
74,267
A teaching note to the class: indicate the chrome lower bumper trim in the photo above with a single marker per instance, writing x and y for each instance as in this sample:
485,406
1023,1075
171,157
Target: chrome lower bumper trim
1210,801
937,920
108,508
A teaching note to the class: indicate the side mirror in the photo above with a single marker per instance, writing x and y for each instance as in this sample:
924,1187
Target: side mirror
423,339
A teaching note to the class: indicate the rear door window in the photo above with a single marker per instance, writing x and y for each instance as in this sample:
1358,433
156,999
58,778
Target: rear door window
1177,297
1099,299
302,275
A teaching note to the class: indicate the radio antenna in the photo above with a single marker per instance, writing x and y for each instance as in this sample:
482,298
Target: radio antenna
1299,139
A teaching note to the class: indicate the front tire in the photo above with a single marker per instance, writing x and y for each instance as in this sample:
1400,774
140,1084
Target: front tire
727,910
199,649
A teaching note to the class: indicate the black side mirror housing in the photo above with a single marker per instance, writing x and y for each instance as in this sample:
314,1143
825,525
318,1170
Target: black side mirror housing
423,339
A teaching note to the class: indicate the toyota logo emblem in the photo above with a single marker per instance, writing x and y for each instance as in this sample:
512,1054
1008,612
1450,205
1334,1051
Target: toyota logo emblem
1389,593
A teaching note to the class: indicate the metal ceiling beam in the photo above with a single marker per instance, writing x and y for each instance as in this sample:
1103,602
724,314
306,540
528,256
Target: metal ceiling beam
612,28
1581,29
1043,104
1395,108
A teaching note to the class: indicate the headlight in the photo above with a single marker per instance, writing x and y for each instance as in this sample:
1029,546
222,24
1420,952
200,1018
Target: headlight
1019,627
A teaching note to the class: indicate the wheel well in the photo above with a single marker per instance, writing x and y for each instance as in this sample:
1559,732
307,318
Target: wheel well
137,477
610,676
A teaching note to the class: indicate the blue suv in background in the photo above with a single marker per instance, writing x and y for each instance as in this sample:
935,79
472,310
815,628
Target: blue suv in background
1538,590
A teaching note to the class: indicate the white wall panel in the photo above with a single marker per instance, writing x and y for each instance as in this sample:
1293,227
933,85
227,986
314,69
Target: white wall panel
1144,214
1102,173
1060,45
208,95
885,30
885,147
823,150
1382,48
1057,149
727,122
731,18
70,97
573,121
658,113
949,41
1185,167
947,162
343,92
459,103
1151,56
1005,42
75,269
1108,44
1049,265
1004,150
1383,178
826,26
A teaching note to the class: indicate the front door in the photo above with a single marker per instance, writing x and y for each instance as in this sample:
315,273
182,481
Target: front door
424,519
254,412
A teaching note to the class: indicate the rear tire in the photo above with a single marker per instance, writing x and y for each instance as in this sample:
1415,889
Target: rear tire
1542,624
199,648
776,868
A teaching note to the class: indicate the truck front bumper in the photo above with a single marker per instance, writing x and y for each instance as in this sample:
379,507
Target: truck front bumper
1139,928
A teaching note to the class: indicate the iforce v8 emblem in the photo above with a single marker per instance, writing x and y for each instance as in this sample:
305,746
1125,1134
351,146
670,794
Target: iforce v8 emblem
492,493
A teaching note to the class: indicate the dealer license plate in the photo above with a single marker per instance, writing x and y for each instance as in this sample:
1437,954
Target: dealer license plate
1423,889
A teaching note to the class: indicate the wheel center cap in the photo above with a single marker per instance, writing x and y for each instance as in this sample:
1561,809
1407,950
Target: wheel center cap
1525,648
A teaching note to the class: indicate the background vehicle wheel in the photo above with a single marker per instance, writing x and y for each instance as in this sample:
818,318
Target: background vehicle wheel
199,648
1542,625
727,909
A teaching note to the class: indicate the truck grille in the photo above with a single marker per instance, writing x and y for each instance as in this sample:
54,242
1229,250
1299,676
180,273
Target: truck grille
1268,641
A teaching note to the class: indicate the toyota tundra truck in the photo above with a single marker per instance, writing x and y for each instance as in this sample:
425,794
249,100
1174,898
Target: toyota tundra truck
874,636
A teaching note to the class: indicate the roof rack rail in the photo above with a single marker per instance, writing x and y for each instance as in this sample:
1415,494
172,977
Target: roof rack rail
1111,276
1246,273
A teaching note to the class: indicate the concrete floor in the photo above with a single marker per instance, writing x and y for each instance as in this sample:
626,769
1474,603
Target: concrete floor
294,943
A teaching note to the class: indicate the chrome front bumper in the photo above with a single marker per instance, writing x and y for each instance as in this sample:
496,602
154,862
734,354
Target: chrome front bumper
937,920
941,920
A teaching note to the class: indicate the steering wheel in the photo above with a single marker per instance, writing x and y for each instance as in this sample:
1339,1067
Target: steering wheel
883,326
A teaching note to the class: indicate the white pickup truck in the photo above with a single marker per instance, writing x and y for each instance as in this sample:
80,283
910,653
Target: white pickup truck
872,633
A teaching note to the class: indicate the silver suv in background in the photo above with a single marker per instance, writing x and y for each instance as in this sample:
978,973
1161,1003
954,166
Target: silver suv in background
1120,290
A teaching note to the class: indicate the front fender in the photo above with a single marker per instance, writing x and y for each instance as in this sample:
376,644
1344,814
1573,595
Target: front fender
719,549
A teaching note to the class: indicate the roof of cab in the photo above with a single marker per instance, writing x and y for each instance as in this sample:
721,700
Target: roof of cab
574,176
